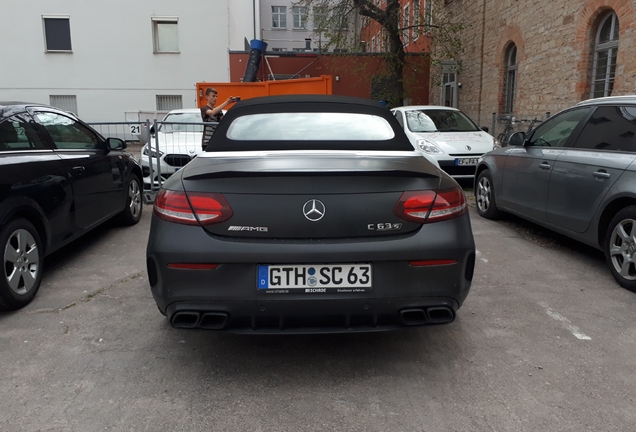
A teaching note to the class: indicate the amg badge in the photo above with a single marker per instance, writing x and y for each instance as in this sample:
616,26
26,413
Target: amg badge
247,228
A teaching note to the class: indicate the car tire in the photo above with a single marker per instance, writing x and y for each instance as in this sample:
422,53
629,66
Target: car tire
620,247
22,259
485,196
131,214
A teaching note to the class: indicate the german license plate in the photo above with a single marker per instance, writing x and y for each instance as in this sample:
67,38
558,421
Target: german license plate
314,278
466,161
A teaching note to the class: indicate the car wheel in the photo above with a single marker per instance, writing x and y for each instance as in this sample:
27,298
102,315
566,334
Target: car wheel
22,257
485,196
134,202
620,247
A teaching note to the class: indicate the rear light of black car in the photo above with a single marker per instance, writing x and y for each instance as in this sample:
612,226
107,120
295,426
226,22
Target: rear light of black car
198,208
428,206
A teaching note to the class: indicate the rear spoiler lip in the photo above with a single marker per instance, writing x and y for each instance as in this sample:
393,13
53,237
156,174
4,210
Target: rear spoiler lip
325,153
309,161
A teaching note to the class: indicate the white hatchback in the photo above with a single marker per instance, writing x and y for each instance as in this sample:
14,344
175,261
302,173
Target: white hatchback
446,135
176,142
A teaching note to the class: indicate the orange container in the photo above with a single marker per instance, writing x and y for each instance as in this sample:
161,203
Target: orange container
322,85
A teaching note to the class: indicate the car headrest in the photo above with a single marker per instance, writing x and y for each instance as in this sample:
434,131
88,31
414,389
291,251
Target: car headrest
8,134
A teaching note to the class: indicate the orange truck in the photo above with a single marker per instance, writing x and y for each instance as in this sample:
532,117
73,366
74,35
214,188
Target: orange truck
247,90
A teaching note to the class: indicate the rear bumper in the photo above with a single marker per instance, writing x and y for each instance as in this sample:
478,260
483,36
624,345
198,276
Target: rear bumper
227,297
312,315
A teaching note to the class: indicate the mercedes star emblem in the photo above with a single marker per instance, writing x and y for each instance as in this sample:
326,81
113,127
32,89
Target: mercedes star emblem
314,210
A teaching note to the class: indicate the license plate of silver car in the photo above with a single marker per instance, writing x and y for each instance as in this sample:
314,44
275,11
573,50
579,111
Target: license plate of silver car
466,161
315,278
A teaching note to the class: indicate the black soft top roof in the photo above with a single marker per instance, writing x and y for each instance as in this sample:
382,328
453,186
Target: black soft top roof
308,103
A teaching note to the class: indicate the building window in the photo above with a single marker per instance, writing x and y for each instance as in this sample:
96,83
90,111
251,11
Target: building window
428,12
405,25
384,44
417,18
321,16
279,49
510,79
57,33
605,51
169,102
299,16
165,36
279,17
64,102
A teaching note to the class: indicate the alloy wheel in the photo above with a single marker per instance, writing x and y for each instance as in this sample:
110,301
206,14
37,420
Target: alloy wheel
21,261
134,193
483,194
622,249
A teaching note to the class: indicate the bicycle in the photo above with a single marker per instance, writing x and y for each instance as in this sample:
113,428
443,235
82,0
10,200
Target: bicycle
504,136
532,123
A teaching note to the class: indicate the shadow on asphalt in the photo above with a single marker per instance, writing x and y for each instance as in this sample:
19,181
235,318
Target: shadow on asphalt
322,359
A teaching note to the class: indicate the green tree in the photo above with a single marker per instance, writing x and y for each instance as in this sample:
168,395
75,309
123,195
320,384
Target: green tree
340,22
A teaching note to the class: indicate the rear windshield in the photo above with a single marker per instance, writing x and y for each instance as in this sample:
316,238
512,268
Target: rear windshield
310,126
439,121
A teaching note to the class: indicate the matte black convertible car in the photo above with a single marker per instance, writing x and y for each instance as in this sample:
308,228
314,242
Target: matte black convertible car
309,214
58,179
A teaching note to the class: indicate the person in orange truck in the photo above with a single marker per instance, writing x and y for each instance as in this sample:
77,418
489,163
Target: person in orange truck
212,113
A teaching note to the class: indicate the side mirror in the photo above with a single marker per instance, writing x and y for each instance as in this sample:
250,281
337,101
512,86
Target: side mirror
115,144
152,131
484,128
517,139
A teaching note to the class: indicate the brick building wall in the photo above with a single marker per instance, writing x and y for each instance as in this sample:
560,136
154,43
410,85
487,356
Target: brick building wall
554,40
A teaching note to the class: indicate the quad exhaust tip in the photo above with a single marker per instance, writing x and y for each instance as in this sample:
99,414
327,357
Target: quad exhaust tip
206,320
431,315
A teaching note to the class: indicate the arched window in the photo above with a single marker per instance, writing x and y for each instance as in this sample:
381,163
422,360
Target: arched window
605,50
510,79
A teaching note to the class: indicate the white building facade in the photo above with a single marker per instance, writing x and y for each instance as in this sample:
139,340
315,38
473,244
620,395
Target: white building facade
288,25
104,59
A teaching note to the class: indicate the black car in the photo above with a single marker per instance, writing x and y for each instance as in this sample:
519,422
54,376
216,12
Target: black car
59,178
309,214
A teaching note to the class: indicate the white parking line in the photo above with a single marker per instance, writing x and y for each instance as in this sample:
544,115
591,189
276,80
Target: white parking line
566,322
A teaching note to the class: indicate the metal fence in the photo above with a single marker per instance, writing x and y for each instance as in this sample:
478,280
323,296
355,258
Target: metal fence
163,148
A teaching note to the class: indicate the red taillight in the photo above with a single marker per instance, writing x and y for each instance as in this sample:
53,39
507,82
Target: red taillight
197,208
449,204
427,206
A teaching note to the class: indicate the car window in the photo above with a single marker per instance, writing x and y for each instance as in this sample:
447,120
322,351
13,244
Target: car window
66,133
173,123
610,128
439,121
556,131
310,126
20,133
400,118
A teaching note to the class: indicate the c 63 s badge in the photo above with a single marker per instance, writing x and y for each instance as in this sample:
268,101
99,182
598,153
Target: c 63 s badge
384,226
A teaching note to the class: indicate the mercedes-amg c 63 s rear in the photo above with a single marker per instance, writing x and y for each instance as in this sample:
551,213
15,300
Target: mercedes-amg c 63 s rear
309,214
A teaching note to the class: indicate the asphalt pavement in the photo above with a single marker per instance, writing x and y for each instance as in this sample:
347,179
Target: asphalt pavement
546,341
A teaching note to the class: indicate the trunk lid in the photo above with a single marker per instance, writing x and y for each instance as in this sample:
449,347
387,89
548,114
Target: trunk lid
311,194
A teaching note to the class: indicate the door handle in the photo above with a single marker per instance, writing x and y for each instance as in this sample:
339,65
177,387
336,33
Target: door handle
544,166
80,169
601,175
